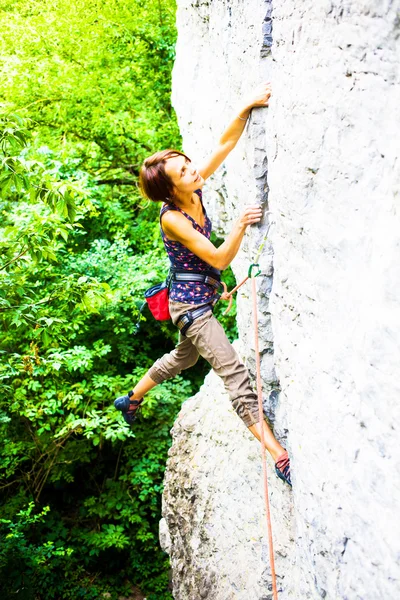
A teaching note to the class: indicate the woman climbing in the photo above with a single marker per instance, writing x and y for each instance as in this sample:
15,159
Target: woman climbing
170,177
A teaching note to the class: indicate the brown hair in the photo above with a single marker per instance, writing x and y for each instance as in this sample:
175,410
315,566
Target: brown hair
154,182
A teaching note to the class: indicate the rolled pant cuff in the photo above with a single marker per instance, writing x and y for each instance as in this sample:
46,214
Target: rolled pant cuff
251,420
154,374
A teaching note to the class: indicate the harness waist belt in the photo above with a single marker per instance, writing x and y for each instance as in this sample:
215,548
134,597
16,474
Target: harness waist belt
185,321
209,279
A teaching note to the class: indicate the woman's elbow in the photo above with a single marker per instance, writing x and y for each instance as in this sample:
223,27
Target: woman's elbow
219,263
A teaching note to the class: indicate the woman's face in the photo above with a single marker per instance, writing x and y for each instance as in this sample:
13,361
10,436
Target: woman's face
183,175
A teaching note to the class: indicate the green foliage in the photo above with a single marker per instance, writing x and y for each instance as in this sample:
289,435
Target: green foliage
86,96
24,564
101,73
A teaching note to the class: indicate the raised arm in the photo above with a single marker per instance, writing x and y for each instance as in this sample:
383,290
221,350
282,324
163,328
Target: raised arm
259,97
177,227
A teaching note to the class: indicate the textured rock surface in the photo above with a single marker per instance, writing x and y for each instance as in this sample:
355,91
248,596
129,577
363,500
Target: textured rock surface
213,504
331,138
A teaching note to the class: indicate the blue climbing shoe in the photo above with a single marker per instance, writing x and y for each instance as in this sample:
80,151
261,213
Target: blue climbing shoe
282,468
128,407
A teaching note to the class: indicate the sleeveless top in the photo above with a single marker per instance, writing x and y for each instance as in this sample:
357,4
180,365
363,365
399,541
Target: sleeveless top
182,259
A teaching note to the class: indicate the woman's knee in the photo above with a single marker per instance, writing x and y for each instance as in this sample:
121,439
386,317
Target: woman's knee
170,365
191,359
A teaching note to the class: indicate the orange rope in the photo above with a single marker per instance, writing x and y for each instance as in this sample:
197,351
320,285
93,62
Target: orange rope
263,448
228,296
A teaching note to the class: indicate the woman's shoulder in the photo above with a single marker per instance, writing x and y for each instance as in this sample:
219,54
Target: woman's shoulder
166,206
172,216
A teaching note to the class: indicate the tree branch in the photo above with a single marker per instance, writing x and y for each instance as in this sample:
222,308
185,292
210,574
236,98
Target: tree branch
14,259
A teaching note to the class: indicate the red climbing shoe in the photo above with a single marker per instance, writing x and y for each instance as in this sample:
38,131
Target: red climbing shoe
282,468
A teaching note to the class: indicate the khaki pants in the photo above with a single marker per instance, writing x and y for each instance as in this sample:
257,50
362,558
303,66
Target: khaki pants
206,337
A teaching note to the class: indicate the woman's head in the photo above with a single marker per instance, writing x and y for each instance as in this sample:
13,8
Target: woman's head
168,175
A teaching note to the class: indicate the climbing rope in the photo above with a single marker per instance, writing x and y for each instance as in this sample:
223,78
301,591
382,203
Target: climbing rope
261,419
228,296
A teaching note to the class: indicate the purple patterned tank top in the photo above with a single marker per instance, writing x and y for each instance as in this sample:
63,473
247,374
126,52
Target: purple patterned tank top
183,259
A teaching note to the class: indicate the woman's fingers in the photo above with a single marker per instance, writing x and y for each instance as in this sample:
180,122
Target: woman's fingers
253,212
253,209
263,94
251,215
259,97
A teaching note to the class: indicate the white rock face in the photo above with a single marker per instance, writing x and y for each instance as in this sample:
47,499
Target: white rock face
330,327
213,504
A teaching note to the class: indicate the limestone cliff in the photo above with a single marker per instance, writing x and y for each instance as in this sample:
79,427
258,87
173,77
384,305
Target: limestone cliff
328,301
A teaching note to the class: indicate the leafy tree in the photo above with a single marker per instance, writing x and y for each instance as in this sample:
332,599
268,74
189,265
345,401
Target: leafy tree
85,98
94,81
95,75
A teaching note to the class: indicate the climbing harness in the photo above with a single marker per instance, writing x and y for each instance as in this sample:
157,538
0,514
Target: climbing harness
185,320
157,296
211,277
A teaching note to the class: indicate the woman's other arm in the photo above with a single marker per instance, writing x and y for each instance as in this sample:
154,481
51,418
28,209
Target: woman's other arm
260,97
177,227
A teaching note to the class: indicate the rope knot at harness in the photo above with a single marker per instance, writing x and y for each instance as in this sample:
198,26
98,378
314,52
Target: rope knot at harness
229,295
